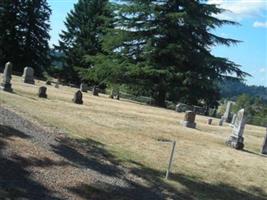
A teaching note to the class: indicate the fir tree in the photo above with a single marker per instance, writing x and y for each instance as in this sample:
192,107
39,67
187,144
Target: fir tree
163,48
24,34
85,26
34,28
9,37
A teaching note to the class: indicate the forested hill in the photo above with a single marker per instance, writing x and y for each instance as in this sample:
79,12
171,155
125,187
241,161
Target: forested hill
232,89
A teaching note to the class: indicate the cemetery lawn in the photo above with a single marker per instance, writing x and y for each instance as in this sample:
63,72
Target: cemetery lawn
203,167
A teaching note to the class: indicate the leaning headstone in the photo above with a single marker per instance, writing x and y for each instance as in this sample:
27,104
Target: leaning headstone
227,114
236,140
42,92
84,87
7,75
78,97
189,119
209,121
95,91
264,146
221,121
28,75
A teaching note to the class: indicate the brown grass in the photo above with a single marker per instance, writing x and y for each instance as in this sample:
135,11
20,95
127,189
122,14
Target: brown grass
130,131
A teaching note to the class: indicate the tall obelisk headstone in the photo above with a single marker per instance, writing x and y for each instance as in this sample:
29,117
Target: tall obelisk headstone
28,75
236,140
7,76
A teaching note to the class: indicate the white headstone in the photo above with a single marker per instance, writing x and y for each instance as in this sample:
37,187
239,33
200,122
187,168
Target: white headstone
236,140
7,75
28,75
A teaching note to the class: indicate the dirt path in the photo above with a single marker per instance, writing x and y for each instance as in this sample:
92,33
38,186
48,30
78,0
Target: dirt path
39,164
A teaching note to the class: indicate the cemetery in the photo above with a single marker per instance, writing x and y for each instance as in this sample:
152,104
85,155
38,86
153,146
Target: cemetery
133,100
130,133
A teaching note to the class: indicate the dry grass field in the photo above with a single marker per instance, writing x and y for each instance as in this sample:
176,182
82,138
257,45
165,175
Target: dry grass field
203,168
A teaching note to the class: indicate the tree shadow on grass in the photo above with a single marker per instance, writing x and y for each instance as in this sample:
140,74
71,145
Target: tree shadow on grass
157,188
89,154
15,179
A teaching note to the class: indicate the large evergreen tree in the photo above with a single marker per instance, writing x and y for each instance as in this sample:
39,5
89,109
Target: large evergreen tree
9,37
24,27
85,26
163,48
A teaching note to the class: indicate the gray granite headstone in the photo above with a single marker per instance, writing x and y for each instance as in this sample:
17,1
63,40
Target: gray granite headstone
84,87
189,119
264,146
236,140
227,114
42,92
78,97
7,76
28,75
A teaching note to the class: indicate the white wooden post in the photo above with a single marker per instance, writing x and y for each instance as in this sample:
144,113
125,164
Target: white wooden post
171,159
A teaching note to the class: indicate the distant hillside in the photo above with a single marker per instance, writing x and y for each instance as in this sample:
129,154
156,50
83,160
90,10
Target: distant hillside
232,89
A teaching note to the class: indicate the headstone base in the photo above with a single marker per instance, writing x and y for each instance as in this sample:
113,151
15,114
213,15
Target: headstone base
235,142
28,81
188,124
6,87
43,96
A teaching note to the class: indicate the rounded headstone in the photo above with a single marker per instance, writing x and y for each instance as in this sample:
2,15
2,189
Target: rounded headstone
28,75
78,97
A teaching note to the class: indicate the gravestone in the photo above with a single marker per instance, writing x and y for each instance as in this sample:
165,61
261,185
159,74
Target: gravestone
209,121
221,121
42,92
233,119
78,97
95,91
84,87
227,114
264,146
28,75
236,140
189,119
7,76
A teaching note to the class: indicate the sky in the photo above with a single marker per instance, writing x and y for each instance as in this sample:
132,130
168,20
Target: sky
250,54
